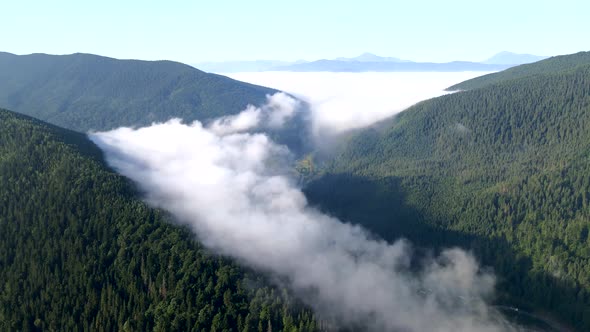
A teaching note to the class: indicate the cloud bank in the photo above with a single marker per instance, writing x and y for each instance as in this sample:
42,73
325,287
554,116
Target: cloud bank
233,189
343,101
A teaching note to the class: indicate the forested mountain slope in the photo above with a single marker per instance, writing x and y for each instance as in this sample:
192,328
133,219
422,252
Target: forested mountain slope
504,170
547,66
79,252
89,92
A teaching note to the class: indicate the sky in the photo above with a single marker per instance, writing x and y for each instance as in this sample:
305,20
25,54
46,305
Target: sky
221,30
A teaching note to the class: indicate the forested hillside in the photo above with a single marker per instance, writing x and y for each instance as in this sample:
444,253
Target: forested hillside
79,251
89,92
504,170
548,66
86,92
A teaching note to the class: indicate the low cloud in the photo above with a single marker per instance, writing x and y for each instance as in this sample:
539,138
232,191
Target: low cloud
344,101
278,109
233,189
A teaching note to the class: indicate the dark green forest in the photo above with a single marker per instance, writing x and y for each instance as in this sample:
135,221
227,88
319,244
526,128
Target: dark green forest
503,170
80,252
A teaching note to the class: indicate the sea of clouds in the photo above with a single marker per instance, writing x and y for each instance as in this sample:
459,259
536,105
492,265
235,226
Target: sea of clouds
343,101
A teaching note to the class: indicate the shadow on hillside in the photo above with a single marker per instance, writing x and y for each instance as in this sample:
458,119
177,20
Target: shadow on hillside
380,206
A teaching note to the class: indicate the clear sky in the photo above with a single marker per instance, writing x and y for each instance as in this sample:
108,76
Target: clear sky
217,30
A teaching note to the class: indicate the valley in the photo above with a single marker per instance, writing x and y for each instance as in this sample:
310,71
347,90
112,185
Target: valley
166,198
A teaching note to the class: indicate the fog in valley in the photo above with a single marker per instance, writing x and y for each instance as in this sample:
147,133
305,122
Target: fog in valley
235,189
342,101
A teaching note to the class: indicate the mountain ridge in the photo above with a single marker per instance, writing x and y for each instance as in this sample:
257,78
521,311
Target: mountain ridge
89,92
546,66
510,58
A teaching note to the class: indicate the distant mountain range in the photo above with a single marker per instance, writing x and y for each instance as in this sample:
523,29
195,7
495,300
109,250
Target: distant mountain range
389,66
370,62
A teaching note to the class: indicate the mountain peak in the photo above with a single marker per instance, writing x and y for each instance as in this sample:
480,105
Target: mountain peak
370,57
510,58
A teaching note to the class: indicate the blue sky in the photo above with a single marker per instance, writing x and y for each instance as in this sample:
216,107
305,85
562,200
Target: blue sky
216,30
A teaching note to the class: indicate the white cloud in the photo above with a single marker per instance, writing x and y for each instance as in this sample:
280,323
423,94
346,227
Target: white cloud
342,101
248,119
282,108
278,109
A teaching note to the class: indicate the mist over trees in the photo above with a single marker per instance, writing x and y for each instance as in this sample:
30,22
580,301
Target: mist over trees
503,170
80,252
